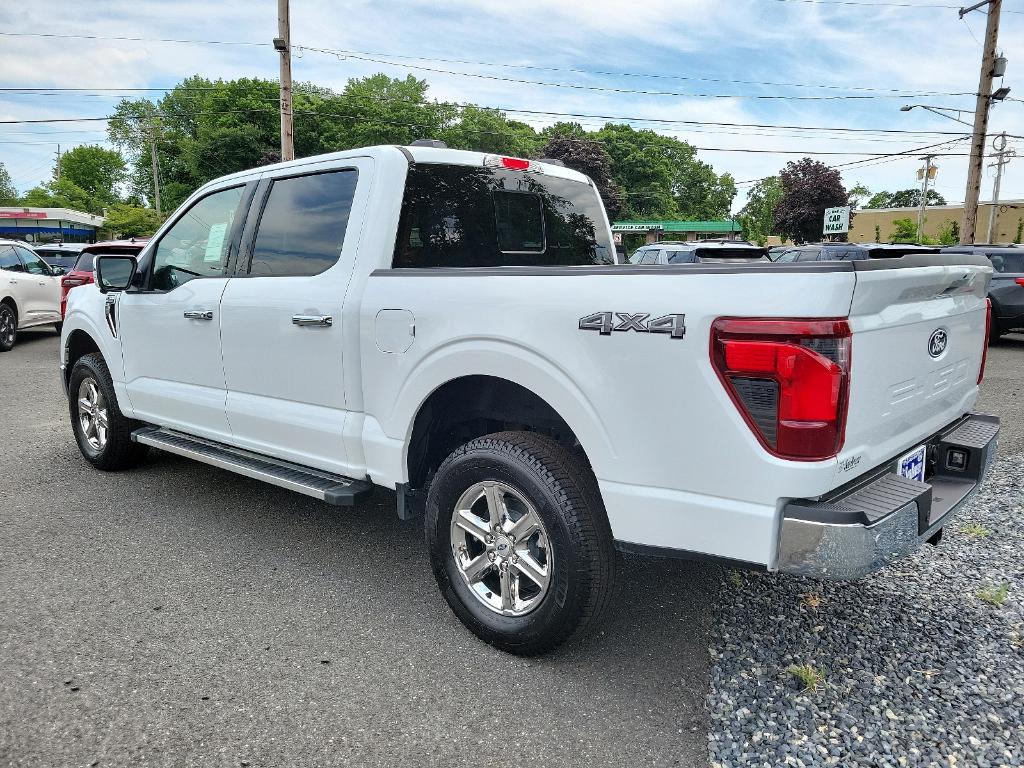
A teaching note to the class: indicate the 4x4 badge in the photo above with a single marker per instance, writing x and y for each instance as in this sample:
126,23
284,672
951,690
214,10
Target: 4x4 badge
606,322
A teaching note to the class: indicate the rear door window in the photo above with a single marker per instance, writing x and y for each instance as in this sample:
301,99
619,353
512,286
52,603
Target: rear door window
651,256
467,216
302,227
9,261
1008,262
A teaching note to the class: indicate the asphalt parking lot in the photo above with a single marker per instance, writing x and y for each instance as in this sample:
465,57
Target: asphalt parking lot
181,615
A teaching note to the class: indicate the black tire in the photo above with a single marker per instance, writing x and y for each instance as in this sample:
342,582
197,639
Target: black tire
8,327
117,451
58,327
562,489
995,332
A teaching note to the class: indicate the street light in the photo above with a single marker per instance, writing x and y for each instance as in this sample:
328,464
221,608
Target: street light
941,111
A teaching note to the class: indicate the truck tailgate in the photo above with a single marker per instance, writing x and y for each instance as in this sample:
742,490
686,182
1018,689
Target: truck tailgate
918,339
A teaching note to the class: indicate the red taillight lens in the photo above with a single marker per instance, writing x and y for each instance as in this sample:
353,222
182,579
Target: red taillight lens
789,379
1020,281
984,343
72,282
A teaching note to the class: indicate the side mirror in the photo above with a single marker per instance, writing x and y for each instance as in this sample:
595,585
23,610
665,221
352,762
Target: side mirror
114,272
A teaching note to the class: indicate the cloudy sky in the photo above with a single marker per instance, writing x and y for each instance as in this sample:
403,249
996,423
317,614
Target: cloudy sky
837,65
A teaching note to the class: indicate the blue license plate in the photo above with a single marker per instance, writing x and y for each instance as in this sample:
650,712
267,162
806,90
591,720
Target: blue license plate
911,466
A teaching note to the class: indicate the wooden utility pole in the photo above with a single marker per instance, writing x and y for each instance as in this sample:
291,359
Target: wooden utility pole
283,45
981,110
156,167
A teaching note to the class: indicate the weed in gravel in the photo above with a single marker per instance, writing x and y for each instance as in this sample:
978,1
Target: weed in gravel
811,600
735,579
994,594
811,677
974,530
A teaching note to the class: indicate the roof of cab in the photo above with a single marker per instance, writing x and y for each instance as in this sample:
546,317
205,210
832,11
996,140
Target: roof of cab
419,154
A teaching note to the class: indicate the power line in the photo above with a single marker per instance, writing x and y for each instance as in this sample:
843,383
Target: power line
642,92
584,115
920,6
419,125
366,55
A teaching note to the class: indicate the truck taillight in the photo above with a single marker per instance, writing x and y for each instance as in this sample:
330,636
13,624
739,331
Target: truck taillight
984,342
790,380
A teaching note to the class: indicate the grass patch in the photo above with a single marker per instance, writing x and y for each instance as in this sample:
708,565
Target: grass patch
994,594
808,675
974,530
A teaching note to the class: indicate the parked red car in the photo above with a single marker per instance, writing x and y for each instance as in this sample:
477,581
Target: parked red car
81,272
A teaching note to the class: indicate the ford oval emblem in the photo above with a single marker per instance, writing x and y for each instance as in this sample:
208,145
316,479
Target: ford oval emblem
937,342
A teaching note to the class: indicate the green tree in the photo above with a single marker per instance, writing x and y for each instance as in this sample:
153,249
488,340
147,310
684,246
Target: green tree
63,193
950,233
489,130
124,220
8,194
758,215
808,188
904,198
857,193
95,170
905,231
1020,231
878,234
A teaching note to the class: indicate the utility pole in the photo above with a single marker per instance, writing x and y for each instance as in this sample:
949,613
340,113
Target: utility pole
981,110
58,162
926,174
1002,155
283,45
156,167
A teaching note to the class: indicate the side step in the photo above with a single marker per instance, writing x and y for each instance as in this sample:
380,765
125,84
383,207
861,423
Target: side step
333,489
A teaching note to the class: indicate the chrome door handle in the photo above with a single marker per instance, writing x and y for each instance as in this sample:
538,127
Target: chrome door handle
321,321
199,314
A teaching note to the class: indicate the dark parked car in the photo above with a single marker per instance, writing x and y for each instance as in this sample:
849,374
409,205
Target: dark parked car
695,251
850,251
63,255
1007,289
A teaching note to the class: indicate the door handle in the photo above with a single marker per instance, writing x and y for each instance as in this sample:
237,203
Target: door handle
199,314
320,321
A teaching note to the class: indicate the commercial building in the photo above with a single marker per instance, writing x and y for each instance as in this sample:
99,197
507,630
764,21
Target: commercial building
48,225
1009,221
656,231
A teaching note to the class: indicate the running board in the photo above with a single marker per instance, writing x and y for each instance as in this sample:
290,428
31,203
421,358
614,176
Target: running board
333,489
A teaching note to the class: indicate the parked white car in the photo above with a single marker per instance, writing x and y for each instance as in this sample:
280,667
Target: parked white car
29,292
453,326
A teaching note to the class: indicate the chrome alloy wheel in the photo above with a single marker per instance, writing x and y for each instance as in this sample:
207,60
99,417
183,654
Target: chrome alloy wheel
501,548
93,416
6,328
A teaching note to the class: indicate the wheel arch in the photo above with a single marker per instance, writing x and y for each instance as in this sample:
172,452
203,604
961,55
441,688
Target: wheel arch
462,408
79,344
10,301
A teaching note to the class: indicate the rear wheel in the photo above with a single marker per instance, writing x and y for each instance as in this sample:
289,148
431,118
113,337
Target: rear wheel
8,327
103,433
520,542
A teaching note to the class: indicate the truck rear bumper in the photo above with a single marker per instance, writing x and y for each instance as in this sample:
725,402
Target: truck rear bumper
882,516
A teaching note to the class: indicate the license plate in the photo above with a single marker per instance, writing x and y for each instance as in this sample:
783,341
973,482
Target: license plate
911,466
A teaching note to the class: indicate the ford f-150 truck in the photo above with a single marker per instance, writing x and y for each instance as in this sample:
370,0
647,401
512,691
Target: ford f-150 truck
454,326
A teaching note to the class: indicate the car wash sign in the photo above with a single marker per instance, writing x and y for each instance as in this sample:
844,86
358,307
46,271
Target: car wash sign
837,220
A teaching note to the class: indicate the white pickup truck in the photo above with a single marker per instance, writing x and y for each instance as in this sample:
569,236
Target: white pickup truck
453,326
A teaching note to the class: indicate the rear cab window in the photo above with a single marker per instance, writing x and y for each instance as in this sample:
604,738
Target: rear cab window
469,216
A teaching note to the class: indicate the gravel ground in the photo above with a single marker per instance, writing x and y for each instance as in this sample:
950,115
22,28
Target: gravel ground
916,668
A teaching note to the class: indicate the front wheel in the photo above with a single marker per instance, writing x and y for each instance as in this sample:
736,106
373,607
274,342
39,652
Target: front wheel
103,433
520,542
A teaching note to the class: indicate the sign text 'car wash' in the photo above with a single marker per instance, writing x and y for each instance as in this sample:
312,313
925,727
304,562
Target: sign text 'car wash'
837,220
